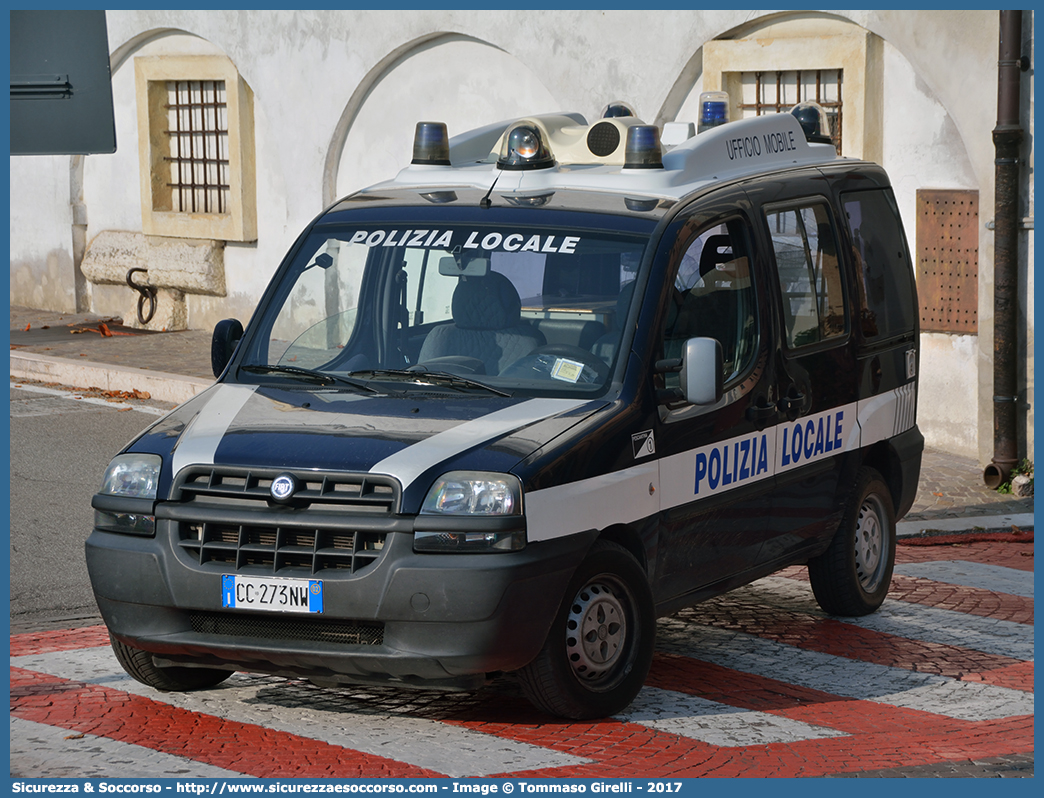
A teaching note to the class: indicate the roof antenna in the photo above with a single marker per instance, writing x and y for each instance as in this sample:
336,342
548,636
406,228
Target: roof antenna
485,202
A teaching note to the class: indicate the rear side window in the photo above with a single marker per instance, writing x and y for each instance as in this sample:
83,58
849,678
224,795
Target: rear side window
805,249
887,302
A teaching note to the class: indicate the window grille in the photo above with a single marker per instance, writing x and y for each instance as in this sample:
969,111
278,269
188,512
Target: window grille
197,125
779,91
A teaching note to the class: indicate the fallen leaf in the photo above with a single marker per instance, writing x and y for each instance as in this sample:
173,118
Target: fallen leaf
46,327
122,409
937,494
74,737
103,328
83,354
26,328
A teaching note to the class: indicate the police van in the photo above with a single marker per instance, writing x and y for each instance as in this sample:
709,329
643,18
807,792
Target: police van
499,413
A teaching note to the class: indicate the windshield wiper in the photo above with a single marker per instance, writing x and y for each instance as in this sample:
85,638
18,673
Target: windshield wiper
319,377
430,377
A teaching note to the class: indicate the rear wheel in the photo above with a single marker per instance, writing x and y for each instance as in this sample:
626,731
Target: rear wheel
139,664
599,649
853,575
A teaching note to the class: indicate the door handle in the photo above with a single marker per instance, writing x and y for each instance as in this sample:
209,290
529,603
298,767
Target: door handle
793,404
761,413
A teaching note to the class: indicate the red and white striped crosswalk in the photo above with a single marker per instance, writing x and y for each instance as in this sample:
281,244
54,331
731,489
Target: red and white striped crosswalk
758,682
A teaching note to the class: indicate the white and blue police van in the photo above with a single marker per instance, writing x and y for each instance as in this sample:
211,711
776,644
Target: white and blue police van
499,413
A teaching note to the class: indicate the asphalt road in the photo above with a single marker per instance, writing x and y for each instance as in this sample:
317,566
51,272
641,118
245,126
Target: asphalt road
60,447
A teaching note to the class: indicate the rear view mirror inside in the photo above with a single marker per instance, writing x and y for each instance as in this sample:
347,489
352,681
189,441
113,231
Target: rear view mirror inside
476,267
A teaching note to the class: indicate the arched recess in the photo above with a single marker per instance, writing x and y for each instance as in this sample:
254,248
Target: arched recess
898,68
77,200
443,76
105,195
910,126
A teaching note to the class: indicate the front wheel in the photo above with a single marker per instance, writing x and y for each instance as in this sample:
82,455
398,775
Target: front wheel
853,575
599,649
139,664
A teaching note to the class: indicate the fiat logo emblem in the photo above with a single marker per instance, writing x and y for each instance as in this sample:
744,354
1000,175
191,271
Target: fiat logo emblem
283,487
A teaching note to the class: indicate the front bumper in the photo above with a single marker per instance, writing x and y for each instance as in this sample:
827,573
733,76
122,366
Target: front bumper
445,620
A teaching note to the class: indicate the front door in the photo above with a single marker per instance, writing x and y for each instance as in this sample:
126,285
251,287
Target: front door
716,463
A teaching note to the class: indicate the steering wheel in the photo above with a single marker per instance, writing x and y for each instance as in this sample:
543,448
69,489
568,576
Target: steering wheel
544,358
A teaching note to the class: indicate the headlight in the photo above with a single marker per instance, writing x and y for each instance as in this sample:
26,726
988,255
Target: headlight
135,476
133,479
471,511
474,493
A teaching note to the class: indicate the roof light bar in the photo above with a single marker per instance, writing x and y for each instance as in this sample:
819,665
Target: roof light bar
714,110
642,150
431,144
814,122
524,148
617,108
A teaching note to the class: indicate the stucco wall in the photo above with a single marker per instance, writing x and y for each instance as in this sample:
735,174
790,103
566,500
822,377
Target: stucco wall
41,233
337,93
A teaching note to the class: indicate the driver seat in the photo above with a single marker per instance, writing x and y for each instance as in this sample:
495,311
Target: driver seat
487,325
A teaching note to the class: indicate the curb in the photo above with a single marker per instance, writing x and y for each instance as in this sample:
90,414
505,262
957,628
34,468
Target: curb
970,524
161,385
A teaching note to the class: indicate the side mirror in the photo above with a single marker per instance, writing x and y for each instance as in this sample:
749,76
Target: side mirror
701,371
227,333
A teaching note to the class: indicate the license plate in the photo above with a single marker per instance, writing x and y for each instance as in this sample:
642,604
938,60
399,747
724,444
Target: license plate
272,594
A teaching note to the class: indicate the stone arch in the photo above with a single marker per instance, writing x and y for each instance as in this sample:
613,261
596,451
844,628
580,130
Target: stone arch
692,72
532,97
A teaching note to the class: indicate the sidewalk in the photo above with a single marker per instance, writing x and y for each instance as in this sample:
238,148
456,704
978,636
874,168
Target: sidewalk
174,367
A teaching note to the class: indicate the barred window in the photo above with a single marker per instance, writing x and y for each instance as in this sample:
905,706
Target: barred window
196,148
774,92
197,126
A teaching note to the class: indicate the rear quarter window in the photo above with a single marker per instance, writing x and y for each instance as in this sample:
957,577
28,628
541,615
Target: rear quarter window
887,297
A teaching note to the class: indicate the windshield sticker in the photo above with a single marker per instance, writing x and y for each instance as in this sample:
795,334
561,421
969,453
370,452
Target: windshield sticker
463,239
567,370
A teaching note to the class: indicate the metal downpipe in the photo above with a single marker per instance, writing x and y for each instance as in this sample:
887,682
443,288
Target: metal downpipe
1007,139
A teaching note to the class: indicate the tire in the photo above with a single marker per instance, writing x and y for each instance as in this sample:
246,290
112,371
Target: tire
139,665
853,575
571,677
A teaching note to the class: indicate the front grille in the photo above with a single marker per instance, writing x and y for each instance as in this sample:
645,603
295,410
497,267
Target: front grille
226,520
317,630
366,493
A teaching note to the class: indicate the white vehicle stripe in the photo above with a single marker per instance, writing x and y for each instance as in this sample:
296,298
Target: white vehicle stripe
409,463
328,715
887,414
199,442
38,748
718,724
620,497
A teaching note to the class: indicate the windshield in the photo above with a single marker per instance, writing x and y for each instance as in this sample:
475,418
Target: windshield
526,309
